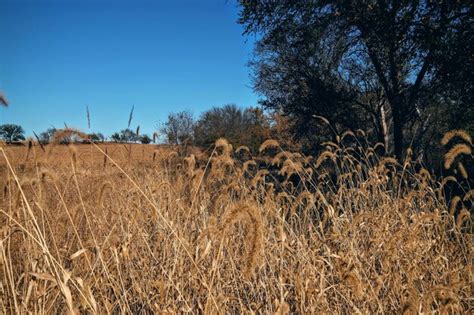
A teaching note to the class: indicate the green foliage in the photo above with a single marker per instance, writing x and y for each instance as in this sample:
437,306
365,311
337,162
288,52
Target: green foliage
12,133
125,135
46,136
115,137
145,139
97,137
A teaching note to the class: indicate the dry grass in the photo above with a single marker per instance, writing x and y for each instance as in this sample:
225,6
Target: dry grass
135,229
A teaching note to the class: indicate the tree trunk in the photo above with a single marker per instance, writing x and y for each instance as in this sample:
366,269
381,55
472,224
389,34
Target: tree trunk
383,121
398,124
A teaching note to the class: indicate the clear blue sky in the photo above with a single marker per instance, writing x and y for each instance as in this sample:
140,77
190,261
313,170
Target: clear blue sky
56,57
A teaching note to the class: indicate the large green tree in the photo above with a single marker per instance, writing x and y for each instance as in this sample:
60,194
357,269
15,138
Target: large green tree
356,61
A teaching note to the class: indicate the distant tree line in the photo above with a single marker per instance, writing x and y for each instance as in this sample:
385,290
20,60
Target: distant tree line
128,135
240,126
11,133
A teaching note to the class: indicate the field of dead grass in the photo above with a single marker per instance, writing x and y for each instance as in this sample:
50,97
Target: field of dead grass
113,228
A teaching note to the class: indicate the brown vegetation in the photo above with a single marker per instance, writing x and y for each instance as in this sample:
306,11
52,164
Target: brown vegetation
114,228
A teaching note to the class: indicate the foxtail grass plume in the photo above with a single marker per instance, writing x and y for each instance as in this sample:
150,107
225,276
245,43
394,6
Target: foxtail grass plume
3,100
448,136
454,152
270,143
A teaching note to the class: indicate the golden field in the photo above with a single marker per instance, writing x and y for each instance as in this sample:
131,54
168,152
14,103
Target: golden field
119,228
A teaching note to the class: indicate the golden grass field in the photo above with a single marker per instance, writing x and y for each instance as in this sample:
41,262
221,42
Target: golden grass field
146,230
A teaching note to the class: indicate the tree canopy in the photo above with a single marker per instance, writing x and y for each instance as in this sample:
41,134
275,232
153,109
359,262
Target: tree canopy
125,135
362,63
12,133
179,127
239,126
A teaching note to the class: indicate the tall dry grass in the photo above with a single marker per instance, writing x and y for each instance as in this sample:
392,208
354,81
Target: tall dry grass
104,229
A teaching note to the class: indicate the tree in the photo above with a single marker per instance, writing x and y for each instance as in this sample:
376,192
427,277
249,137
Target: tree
145,139
179,128
128,135
12,133
347,59
97,137
115,137
46,136
239,126
125,135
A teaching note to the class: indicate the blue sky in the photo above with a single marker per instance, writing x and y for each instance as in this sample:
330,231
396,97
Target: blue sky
160,56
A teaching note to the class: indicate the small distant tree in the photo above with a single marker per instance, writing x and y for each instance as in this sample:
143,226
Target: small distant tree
127,135
12,133
97,137
179,128
145,139
101,137
46,136
115,137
